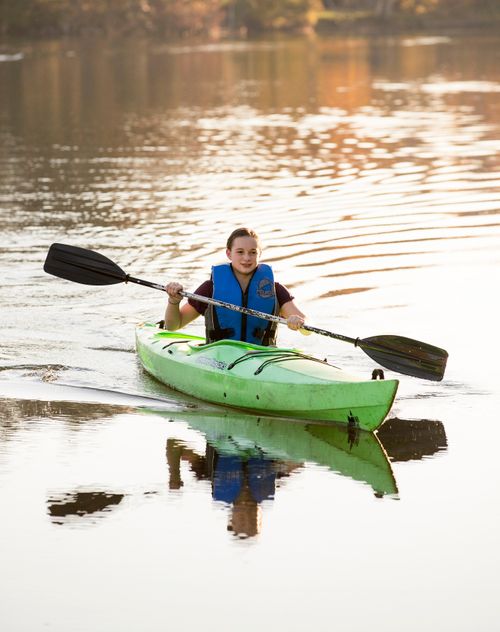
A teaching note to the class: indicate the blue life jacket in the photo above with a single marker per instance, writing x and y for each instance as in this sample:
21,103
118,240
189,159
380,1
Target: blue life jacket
260,295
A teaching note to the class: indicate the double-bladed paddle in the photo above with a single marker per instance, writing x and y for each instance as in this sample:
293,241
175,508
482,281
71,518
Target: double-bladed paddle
399,354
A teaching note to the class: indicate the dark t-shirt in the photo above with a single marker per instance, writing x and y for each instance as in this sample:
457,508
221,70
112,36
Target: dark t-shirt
207,289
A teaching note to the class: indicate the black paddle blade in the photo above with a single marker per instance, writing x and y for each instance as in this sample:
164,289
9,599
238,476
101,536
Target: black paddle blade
82,266
406,356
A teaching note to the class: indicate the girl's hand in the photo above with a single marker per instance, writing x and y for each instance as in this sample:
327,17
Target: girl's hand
173,290
295,322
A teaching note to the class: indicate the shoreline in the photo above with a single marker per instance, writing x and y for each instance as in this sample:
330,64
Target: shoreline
326,24
401,24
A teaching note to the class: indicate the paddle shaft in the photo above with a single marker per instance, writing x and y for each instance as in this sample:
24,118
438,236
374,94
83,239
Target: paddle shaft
242,310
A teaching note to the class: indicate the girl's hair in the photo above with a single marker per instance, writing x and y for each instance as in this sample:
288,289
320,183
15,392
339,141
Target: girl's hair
242,232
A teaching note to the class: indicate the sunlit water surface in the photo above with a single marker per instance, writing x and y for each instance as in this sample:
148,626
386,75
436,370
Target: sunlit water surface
371,170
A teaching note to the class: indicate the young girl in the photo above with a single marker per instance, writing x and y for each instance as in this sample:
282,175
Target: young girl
245,282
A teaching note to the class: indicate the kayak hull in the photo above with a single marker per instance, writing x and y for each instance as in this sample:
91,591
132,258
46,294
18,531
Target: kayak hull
272,381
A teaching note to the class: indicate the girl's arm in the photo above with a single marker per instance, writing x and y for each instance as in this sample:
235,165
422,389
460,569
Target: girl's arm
294,317
177,317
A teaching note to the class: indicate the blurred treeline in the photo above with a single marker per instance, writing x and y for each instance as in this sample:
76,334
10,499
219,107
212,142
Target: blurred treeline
170,18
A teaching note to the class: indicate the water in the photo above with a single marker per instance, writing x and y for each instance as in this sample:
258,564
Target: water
370,168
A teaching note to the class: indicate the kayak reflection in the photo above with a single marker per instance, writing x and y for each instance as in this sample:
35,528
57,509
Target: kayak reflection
246,456
356,454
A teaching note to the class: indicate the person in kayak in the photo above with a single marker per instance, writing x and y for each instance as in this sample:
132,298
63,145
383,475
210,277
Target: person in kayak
244,281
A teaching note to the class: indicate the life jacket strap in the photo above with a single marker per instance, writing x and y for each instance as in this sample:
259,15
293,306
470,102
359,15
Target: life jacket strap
219,334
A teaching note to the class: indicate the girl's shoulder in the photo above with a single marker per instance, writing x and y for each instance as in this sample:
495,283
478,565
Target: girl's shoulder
206,288
282,293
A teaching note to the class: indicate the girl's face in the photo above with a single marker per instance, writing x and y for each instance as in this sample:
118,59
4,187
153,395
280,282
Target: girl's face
244,254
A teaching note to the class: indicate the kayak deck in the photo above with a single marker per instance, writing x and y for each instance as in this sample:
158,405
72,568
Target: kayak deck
274,381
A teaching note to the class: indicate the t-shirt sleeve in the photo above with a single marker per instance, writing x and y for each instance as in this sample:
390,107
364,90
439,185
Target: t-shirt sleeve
282,294
206,289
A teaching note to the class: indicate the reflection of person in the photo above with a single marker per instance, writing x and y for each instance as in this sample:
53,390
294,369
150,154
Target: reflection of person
244,281
246,517
239,481
244,483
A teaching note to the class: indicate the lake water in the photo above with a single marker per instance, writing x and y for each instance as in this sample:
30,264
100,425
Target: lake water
370,167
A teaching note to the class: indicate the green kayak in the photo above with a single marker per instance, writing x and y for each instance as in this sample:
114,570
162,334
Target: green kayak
267,380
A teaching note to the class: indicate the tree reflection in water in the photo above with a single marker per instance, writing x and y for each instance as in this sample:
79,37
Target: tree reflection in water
80,503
